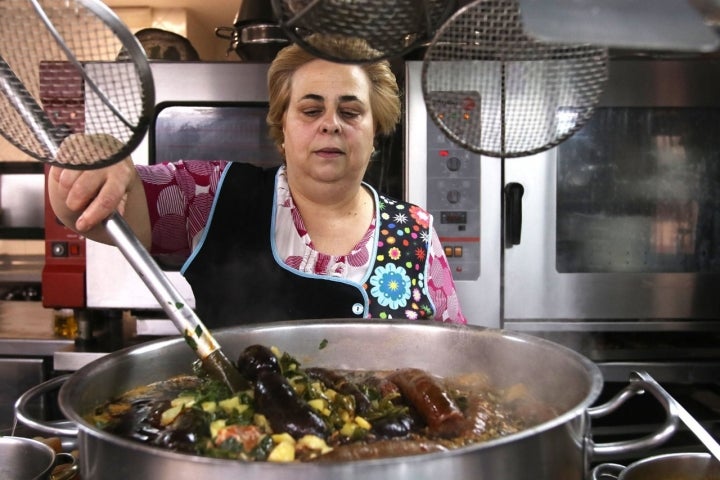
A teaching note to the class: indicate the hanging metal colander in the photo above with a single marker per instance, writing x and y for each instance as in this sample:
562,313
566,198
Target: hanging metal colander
390,27
496,91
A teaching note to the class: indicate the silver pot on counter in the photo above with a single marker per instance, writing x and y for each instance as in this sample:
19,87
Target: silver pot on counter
672,466
29,459
558,449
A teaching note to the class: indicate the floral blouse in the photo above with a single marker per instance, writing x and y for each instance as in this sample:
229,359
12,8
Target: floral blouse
180,197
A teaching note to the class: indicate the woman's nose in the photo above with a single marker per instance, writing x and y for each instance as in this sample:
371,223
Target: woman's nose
330,124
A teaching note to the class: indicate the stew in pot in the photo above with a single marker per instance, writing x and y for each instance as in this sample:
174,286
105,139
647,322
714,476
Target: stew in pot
292,413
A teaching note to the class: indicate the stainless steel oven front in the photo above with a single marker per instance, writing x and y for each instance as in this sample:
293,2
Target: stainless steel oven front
618,251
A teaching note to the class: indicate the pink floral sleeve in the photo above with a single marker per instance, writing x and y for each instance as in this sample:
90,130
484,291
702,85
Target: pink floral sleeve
442,286
179,197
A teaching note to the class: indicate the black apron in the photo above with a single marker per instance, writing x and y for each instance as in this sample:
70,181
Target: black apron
234,275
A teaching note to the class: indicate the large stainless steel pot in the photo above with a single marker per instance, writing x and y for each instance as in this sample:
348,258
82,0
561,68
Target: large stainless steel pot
559,449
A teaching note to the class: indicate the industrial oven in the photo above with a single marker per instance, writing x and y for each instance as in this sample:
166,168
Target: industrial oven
608,243
613,232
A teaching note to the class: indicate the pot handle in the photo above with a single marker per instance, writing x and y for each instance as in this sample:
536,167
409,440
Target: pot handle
225,32
638,385
22,415
607,471
67,473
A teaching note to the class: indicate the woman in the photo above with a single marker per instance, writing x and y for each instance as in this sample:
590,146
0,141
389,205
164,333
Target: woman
306,240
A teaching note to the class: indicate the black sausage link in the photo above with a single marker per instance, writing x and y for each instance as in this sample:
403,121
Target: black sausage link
393,427
255,359
443,416
284,409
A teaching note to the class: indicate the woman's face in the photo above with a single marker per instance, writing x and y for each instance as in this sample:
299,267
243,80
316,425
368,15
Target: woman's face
329,127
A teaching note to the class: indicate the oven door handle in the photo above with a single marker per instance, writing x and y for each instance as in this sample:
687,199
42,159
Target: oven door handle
513,213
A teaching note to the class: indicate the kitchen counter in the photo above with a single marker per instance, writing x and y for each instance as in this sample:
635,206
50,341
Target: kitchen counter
26,329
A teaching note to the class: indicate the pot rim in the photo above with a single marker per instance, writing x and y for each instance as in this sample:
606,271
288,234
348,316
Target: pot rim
669,457
591,369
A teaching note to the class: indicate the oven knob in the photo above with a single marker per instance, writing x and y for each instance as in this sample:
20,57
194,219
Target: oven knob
59,249
453,164
453,196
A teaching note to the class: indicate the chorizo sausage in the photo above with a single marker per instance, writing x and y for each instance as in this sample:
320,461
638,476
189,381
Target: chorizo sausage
444,418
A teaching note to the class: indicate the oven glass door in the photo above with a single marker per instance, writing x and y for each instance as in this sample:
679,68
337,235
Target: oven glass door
620,222
222,131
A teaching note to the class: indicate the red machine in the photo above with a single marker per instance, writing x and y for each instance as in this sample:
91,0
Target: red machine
63,276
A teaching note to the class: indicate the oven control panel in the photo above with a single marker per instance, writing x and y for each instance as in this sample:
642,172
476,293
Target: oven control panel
453,198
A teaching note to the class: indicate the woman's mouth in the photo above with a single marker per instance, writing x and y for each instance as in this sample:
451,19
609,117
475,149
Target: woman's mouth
329,152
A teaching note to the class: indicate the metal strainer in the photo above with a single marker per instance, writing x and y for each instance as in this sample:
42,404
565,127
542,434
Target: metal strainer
391,27
494,90
78,42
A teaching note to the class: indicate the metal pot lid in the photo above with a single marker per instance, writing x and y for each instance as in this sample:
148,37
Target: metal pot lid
162,44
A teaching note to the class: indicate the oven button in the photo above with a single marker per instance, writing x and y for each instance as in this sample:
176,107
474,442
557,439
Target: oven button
59,249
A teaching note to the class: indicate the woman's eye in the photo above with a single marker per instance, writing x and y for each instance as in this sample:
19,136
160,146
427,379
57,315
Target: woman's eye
349,113
312,112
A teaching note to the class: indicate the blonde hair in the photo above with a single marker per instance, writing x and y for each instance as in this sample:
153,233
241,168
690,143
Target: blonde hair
384,93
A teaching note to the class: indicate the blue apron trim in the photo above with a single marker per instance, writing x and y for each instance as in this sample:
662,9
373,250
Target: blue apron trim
200,244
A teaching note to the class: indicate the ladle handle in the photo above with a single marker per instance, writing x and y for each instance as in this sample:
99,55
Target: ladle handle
174,304
169,298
